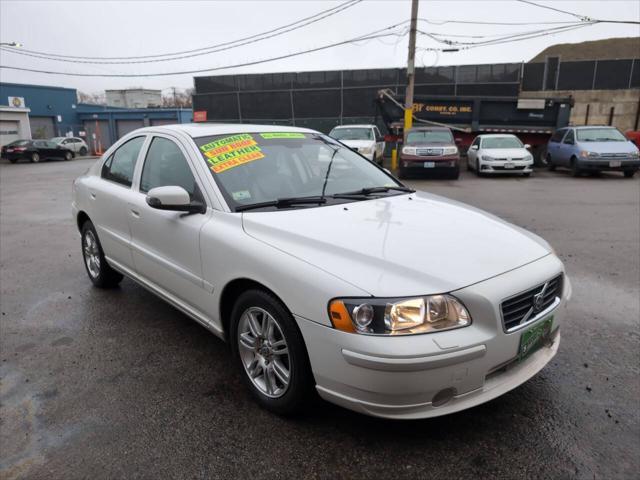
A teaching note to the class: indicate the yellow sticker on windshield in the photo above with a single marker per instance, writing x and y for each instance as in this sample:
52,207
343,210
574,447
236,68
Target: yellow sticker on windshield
231,152
282,135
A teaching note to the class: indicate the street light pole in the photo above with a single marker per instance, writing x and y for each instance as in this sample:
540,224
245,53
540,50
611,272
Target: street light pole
408,105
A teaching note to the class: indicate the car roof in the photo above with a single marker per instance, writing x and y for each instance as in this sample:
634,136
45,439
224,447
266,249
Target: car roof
362,125
590,127
488,135
206,129
427,129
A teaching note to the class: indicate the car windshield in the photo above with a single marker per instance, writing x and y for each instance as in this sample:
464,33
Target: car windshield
429,136
352,134
501,142
256,168
600,135
18,143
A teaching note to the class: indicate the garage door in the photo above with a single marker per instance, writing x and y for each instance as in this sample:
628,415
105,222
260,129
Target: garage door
99,142
42,127
8,131
163,121
125,126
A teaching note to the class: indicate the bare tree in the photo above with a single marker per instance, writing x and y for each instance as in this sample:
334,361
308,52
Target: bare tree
94,98
177,98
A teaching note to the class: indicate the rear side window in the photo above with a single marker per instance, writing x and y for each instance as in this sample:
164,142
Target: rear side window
121,164
165,165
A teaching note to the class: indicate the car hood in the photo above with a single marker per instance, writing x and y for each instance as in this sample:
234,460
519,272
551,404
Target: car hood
400,245
358,143
608,147
506,152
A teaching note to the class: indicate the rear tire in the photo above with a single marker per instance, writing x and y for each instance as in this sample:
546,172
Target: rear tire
83,151
629,173
100,272
550,164
280,380
35,157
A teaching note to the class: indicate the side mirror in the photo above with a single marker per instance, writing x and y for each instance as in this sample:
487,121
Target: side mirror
173,198
527,146
474,147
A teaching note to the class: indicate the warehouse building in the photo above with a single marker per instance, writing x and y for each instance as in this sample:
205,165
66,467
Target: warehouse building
39,111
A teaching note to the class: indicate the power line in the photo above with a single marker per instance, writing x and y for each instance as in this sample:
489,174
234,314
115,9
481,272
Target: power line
581,17
191,53
368,36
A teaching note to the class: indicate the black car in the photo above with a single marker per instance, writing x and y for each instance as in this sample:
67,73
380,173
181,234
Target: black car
34,150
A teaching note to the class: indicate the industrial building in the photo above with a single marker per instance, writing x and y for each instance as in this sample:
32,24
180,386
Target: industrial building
134,98
38,111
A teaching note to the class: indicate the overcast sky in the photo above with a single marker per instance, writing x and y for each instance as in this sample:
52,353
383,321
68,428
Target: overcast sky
112,28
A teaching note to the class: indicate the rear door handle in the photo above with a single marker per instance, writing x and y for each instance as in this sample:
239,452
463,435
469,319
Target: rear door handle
93,195
135,213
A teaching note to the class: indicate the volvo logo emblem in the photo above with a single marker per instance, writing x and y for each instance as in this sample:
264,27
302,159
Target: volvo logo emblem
538,302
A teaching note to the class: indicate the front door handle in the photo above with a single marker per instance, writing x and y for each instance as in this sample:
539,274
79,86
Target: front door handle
92,195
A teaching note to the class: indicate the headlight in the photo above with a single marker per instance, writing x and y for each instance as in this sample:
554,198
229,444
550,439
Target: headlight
450,150
528,158
365,149
406,316
409,150
585,154
487,158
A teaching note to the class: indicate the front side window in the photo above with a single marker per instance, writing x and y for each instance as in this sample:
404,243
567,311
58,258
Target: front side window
502,142
356,133
557,137
601,135
121,164
429,136
165,165
265,167
476,142
570,138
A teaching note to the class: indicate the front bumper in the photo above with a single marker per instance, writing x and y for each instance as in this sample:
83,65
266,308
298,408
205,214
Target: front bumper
605,165
499,167
400,377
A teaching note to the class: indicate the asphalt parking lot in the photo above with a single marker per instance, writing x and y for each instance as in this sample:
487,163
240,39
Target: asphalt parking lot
117,384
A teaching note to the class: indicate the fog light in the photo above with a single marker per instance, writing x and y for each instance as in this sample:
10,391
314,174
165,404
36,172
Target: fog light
363,316
442,397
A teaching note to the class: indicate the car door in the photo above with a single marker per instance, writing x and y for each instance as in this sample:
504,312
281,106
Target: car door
109,196
566,148
166,244
379,142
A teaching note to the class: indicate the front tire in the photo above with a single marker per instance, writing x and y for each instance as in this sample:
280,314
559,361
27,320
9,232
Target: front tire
575,169
35,157
68,156
629,173
100,272
270,350
550,164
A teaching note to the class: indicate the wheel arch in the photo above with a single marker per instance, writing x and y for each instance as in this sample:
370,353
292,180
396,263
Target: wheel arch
230,293
81,218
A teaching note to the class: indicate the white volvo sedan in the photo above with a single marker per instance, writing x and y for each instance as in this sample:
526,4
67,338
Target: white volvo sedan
321,269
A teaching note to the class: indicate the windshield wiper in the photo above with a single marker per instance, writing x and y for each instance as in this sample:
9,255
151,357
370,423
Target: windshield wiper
372,190
283,203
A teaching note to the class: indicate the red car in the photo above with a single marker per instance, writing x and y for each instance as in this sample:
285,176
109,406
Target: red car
429,150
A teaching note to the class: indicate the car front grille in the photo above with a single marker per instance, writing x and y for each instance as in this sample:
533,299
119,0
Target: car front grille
429,152
524,306
615,155
516,167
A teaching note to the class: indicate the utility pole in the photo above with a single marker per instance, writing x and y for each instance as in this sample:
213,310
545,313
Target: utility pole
175,103
408,105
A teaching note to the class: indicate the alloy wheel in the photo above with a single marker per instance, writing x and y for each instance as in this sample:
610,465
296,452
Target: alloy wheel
264,352
91,253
